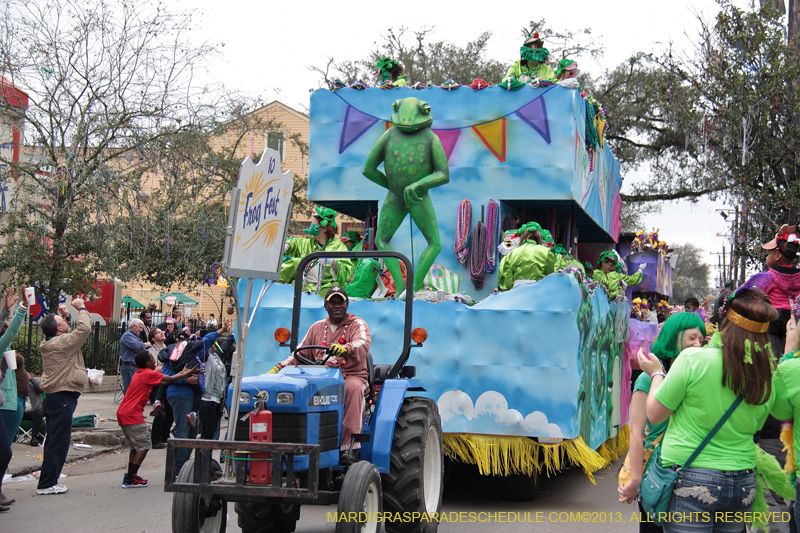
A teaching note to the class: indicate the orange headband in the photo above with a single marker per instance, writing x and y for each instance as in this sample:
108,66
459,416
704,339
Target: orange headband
746,323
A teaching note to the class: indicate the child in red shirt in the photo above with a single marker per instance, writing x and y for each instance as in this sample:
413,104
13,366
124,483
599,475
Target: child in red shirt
130,412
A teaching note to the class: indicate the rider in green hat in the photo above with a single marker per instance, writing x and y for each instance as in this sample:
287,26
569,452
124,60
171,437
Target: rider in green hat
609,273
352,240
532,63
529,261
320,274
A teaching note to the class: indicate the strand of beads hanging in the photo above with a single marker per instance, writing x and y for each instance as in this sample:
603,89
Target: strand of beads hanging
493,236
463,224
478,255
341,340
509,222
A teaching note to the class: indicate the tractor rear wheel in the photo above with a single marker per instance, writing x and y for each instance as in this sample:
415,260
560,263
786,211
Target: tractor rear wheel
415,479
204,513
360,500
267,518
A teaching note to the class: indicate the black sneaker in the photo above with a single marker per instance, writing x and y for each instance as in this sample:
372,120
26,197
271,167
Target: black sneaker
159,445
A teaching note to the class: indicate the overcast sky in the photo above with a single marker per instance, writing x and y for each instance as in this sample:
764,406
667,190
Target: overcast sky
269,45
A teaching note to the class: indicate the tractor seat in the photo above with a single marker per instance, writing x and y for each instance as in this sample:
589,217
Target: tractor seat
377,373
381,372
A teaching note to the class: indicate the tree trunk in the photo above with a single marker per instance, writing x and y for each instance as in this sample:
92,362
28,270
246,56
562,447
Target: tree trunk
58,254
794,23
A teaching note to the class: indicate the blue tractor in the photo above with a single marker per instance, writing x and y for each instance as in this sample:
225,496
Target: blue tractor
286,450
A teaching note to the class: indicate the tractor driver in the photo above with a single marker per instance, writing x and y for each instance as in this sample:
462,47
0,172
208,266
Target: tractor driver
345,334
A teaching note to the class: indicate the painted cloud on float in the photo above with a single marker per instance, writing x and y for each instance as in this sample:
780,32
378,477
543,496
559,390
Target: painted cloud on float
491,409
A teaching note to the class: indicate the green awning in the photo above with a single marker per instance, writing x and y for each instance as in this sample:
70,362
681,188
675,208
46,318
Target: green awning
126,300
180,298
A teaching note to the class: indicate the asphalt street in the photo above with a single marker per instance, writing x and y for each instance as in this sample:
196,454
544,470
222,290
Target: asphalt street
96,503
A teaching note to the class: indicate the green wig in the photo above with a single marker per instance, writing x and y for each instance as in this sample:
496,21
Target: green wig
327,215
530,226
666,345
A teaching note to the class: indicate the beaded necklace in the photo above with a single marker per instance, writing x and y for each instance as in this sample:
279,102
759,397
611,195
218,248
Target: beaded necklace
528,68
341,340
461,244
493,237
478,255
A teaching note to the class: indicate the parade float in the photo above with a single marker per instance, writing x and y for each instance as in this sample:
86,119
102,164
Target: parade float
528,381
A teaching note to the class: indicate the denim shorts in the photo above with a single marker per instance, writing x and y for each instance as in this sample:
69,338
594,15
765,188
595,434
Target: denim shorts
706,500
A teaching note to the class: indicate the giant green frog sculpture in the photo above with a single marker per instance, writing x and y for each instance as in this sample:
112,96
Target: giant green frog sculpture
415,162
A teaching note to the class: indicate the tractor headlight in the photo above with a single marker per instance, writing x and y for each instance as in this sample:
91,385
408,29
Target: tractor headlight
244,397
284,397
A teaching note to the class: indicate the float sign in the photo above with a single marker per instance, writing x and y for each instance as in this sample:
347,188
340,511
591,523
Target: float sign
259,219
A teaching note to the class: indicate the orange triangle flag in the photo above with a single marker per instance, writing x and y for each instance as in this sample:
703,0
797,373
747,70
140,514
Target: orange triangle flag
493,135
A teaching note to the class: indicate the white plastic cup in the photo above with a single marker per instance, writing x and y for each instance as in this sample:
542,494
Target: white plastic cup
11,359
30,295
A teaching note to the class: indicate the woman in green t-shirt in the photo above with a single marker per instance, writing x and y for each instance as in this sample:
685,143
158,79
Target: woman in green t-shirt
786,381
702,384
680,331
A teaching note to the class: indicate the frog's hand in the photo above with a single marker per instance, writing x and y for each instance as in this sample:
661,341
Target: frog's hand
410,194
376,156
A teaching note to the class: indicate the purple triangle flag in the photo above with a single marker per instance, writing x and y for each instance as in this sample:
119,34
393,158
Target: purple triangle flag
355,125
449,139
534,115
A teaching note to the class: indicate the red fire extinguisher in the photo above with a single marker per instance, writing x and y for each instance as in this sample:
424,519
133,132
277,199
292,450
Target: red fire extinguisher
260,431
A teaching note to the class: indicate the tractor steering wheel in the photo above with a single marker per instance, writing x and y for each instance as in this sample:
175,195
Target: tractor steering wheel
305,361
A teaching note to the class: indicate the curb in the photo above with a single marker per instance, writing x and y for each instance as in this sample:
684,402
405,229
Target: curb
32,469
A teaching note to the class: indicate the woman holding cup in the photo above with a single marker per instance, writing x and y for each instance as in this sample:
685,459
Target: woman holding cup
13,406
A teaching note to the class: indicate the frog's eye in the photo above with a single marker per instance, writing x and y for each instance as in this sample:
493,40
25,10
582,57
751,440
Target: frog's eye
396,105
425,109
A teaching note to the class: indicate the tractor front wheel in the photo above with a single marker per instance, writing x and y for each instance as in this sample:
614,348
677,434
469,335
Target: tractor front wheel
267,518
204,513
416,472
360,500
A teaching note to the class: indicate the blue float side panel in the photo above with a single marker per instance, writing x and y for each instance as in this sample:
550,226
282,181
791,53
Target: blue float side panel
541,360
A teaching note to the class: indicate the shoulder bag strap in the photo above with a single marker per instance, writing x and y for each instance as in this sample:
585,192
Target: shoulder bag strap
713,432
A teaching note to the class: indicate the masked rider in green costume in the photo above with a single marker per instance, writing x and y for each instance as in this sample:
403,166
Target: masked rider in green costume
532,63
415,162
320,274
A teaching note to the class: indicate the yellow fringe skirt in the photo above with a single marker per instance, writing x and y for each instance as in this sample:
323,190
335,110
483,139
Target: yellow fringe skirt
501,456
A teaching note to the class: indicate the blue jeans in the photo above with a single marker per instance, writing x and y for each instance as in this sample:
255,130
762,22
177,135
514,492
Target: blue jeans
5,452
58,409
702,496
127,375
182,406
797,507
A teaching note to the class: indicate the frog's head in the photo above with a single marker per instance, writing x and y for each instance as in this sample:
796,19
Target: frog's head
411,114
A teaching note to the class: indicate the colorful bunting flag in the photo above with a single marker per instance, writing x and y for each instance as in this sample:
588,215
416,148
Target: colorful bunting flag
449,139
493,135
355,125
535,115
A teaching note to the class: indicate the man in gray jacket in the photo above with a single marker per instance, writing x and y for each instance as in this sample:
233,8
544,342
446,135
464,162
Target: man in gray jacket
63,379
216,384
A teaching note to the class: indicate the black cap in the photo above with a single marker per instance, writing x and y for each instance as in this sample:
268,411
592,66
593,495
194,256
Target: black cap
337,291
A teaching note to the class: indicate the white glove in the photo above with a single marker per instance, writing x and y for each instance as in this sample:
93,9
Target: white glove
642,266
